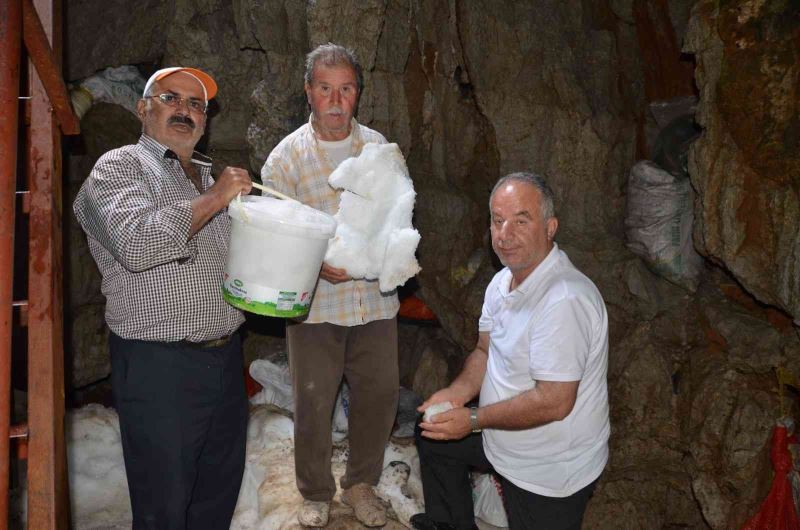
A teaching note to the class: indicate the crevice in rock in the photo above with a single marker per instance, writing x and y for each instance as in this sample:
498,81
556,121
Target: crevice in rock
665,75
487,155
465,88
259,48
665,70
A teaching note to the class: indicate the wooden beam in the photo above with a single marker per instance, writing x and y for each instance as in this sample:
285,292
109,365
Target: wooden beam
47,484
10,53
49,70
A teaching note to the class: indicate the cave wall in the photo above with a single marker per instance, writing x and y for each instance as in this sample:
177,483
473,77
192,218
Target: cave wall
746,166
471,90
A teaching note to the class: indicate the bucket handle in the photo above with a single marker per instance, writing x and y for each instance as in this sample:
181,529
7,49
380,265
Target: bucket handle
273,192
261,187
242,208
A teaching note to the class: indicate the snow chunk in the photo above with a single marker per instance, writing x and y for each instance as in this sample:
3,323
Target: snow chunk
374,236
268,499
97,481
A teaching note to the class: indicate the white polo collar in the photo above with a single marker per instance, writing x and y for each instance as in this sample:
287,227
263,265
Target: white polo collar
533,278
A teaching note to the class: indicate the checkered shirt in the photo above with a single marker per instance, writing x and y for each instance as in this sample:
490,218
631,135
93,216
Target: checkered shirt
299,167
159,284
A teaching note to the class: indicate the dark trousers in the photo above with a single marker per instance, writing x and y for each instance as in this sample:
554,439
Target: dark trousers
445,468
183,422
319,356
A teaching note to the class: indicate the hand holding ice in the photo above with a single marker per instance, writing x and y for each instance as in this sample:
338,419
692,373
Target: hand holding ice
374,237
436,408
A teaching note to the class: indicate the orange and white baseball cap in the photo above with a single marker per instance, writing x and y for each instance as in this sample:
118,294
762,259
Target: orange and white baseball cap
209,85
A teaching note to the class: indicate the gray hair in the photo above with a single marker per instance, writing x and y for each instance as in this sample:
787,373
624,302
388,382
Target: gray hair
333,55
548,209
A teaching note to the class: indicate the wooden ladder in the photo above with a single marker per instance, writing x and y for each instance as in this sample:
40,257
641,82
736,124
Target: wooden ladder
31,126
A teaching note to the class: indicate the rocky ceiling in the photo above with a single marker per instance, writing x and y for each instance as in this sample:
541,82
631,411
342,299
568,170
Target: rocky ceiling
472,90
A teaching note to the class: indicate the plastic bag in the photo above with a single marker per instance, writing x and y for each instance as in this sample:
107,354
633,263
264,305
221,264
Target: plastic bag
487,497
658,224
406,419
122,86
277,382
671,149
341,413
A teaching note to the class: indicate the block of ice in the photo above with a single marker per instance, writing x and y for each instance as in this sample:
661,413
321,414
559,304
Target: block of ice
374,237
436,408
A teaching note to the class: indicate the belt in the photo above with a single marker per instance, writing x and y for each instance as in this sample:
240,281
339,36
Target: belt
212,343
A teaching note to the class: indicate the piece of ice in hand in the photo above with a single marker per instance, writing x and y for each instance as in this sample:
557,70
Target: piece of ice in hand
435,409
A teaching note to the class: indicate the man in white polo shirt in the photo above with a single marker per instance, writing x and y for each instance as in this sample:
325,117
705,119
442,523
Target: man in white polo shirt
540,368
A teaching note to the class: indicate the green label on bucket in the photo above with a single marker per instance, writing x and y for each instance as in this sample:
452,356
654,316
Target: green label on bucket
263,300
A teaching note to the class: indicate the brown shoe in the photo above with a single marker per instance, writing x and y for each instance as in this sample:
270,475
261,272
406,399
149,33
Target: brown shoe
366,506
313,514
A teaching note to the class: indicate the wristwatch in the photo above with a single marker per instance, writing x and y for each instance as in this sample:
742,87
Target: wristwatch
473,419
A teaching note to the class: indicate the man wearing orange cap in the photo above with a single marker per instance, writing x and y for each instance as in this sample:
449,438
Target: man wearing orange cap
156,226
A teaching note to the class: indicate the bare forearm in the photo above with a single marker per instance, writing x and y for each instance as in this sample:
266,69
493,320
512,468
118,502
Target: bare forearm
454,424
547,402
469,381
231,182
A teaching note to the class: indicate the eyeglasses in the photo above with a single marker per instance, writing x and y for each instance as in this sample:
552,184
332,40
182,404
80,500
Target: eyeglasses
175,101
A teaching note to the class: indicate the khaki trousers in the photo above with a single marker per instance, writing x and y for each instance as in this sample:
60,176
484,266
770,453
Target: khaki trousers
320,355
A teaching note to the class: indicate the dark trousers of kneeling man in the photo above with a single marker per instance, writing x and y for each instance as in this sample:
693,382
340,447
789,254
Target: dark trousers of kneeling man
446,467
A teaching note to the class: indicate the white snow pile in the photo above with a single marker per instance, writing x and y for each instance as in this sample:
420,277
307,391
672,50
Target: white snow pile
98,488
268,499
374,237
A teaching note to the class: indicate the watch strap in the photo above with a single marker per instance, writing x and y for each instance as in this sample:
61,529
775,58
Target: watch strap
473,419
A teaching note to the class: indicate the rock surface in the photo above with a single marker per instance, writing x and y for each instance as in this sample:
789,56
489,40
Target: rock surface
474,90
102,33
88,343
103,128
746,165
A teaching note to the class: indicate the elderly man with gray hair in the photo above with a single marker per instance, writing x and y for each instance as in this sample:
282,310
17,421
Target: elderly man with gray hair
156,226
540,370
351,328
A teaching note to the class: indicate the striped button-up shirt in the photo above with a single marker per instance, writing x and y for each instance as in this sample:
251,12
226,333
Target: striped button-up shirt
159,283
299,167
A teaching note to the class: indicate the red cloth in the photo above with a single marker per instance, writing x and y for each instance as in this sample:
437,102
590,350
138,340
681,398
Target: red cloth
251,386
778,512
415,309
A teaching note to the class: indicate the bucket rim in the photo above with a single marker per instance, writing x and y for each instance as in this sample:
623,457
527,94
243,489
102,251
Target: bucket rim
322,227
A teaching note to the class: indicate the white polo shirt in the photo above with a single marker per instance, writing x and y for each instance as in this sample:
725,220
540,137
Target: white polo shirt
552,327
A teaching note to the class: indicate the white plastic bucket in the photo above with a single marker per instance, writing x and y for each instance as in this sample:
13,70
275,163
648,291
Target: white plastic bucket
274,256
